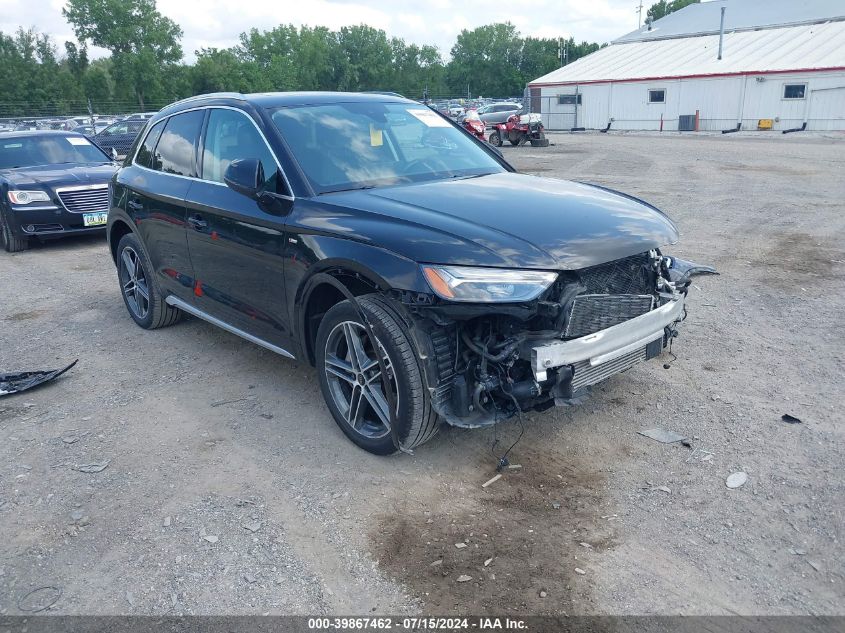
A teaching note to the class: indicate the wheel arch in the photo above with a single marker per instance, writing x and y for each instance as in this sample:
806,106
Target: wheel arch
117,231
320,292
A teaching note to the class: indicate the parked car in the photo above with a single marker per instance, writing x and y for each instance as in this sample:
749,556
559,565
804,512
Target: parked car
139,116
455,109
52,184
371,237
118,137
498,112
89,130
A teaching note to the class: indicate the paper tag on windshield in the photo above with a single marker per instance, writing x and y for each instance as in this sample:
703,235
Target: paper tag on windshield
375,136
429,117
77,140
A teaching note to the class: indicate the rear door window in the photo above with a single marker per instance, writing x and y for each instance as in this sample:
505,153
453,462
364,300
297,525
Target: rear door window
145,152
174,153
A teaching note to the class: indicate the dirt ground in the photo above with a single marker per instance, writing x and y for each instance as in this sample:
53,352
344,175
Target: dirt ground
230,490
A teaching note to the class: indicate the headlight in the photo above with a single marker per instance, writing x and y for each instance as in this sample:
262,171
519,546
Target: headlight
25,197
486,285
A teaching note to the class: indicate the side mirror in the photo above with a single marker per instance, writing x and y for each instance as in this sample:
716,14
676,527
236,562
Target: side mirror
245,176
114,155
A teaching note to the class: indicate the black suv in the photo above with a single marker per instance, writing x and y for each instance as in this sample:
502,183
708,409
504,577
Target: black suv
375,239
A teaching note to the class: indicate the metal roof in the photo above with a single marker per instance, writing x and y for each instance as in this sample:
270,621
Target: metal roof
806,47
704,18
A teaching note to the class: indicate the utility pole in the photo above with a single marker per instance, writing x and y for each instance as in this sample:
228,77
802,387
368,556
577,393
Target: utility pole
640,14
562,51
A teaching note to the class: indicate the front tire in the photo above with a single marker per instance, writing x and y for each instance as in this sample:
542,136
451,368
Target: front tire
352,385
495,139
141,296
11,243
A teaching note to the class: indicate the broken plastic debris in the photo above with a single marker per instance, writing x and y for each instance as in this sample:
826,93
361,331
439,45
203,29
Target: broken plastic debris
790,419
735,480
464,578
492,480
93,467
15,383
662,435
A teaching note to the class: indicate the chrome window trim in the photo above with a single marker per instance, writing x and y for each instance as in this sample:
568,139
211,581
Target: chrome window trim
211,182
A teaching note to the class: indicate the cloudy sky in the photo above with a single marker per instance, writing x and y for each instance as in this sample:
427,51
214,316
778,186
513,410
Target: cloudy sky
217,23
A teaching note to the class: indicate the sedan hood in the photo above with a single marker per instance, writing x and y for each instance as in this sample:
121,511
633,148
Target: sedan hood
508,220
58,175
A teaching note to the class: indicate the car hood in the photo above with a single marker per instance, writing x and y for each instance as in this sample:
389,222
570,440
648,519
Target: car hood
58,175
508,220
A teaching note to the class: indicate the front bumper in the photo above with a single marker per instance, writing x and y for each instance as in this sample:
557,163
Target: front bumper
607,345
48,221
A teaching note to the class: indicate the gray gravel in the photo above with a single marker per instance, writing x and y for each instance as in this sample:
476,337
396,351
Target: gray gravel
599,519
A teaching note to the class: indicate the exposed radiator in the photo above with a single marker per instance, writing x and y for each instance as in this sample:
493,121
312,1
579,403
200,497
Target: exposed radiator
586,375
591,313
627,276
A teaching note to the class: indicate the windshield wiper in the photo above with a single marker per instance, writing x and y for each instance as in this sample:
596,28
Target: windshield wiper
473,176
348,189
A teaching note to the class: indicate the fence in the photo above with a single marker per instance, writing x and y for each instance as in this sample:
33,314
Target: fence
23,110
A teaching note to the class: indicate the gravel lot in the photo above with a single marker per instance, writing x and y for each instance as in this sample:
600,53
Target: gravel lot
230,490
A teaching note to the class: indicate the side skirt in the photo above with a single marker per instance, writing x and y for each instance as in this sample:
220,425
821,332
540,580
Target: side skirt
187,307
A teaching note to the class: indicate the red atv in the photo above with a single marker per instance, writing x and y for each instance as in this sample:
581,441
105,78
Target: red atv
473,124
519,130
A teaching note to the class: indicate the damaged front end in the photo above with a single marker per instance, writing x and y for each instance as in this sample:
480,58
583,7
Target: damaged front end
487,362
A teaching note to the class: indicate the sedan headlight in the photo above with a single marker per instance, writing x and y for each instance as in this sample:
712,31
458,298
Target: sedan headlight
25,197
486,285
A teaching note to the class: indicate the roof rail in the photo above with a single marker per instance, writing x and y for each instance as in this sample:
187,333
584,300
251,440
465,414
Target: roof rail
210,95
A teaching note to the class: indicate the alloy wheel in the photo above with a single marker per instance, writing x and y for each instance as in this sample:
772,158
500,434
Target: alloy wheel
355,380
134,282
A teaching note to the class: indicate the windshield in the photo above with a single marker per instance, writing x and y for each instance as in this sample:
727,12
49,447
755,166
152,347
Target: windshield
29,151
345,146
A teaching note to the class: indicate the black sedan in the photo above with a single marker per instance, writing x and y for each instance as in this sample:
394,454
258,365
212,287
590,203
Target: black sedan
52,184
118,137
376,239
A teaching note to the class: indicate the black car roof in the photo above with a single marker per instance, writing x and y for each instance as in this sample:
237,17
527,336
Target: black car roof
283,99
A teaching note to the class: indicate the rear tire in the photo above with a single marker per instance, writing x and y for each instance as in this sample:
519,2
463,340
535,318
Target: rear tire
141,295
11,243
353,386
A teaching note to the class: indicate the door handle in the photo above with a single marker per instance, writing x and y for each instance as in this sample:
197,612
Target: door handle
197,222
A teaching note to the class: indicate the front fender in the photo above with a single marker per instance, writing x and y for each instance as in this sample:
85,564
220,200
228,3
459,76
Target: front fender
318,256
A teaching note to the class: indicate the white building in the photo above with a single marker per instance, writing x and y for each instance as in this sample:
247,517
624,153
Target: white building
783,63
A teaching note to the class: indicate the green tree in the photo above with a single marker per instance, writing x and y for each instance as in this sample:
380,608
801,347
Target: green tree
98,86
141,40
364,59
663,8
486,61
76,59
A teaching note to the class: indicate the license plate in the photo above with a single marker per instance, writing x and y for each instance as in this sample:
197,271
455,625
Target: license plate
94,219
